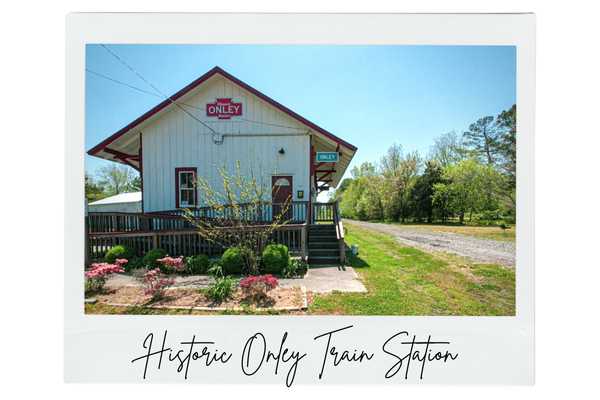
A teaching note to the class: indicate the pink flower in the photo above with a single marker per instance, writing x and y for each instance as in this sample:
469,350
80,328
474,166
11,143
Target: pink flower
103,270
155,283
174,263
268,280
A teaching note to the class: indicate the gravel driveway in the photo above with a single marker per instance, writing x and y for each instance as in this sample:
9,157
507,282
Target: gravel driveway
478,250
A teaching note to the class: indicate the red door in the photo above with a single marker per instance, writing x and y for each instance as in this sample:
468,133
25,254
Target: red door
282,189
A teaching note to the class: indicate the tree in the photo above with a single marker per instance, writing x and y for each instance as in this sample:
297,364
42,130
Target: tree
448,149
391,161
93,191
424,188
482,139
341,189
506,123
369,205
471,187
364,169
117,179
350,197
399,172
136,184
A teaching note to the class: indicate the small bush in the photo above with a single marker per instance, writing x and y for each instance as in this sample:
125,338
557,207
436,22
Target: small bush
133,264
221,289
118,251
256,288
151,258
197,265
296,267
232,261
275,258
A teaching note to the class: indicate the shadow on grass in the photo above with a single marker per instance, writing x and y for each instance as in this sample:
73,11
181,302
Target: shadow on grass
357,262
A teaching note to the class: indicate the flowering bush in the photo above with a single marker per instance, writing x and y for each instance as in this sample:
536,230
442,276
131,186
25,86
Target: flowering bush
172,264
97,275
155,283
256,288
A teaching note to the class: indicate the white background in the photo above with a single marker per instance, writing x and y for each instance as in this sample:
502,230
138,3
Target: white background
566,191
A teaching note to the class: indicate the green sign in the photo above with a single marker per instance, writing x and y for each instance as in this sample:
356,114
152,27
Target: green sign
328,156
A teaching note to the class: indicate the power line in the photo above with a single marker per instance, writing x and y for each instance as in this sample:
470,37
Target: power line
122,83
156,89
181,103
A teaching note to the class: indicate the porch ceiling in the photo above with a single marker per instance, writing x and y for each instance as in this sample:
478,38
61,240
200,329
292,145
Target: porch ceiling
346,155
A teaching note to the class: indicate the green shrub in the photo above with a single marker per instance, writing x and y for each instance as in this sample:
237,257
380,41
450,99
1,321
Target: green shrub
232,261
197,265
296,267
118,251
133,264
151,257
275,258
221,289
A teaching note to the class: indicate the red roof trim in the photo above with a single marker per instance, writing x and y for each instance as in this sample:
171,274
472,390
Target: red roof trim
216,70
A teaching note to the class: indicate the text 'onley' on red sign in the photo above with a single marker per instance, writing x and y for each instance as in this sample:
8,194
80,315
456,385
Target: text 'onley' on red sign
223,109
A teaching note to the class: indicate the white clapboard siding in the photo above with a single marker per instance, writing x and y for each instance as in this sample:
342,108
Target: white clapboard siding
176,140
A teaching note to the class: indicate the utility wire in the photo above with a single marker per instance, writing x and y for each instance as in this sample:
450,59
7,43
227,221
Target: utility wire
123,83
156,89
181,103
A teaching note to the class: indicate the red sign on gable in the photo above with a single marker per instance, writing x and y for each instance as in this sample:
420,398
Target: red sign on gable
223,109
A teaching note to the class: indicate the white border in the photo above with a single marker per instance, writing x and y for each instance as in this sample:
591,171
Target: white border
492,349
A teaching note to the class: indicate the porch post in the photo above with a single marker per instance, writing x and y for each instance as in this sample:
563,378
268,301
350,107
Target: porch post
310,179
304,242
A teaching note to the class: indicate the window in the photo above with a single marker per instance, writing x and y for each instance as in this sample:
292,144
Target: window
185,187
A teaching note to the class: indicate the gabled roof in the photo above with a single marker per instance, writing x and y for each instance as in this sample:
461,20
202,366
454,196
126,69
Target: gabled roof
132,160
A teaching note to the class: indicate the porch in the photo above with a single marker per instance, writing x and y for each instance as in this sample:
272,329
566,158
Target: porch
172,231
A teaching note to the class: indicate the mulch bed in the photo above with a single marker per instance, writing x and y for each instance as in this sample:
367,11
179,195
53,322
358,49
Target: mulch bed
188,298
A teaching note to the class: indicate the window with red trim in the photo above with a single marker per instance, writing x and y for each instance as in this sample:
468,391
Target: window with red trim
185,187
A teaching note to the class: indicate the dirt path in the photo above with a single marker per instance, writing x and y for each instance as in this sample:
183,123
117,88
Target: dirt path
478,250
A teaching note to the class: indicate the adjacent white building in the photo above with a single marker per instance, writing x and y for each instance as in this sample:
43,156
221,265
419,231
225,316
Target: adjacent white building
216,121
122,202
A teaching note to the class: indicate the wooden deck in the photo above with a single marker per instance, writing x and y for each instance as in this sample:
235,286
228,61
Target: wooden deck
173,232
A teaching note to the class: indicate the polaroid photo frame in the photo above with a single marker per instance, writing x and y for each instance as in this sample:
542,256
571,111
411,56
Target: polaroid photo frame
294,346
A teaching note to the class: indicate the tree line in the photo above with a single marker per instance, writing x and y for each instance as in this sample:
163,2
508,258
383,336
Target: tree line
469,177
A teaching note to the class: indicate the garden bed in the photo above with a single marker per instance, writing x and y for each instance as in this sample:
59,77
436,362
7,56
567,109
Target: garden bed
280,299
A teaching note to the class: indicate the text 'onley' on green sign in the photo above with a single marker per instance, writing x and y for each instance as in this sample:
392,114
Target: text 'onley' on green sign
328,156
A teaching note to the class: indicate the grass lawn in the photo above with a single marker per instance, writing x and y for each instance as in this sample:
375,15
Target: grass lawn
406,281
483,232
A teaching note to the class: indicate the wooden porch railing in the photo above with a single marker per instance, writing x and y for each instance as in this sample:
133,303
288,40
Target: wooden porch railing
187,242
171,231
339,231
102,222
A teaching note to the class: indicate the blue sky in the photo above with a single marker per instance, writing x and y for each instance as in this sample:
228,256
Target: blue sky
371,96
